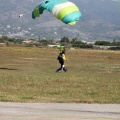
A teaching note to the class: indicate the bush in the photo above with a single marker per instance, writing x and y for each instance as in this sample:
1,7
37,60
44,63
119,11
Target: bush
114,48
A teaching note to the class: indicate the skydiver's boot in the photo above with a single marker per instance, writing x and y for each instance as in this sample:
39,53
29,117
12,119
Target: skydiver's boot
58,69
65,69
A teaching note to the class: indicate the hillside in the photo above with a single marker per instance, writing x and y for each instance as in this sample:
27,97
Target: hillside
100,20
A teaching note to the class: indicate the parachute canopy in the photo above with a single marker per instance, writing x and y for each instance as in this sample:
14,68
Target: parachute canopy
60,47
63,10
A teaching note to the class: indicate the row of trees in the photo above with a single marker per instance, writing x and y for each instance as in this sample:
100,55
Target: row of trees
107,43
5,39
75,43
64,41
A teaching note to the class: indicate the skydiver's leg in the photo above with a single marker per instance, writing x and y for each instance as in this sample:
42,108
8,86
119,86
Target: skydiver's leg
60,67
64,68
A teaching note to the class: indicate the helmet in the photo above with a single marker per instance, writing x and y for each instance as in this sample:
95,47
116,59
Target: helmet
63,51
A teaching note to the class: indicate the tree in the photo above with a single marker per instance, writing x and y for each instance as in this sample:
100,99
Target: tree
73,40
44,42
113,41
64,40
11,40
103,43
3,39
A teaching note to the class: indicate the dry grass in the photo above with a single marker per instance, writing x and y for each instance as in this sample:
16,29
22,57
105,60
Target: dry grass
28,75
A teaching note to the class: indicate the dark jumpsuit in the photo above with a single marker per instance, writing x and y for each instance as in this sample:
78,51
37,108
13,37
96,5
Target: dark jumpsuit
61,61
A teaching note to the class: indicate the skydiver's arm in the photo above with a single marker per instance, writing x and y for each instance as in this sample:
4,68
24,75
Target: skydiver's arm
64,57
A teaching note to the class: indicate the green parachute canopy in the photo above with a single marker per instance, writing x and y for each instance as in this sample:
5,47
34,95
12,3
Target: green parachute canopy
63,10
60,47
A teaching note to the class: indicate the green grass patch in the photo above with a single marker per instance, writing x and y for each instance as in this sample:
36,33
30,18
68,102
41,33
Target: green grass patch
28,75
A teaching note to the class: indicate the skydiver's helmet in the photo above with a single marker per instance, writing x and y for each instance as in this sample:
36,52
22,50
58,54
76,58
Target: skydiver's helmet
63,51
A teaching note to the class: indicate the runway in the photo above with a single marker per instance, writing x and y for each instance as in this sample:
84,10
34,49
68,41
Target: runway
58,111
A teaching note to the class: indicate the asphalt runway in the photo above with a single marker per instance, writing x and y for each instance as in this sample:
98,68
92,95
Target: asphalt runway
58,111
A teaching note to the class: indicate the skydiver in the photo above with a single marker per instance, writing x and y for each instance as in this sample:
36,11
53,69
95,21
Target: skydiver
61,58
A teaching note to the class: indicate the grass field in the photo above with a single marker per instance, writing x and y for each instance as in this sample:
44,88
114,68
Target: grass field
28,75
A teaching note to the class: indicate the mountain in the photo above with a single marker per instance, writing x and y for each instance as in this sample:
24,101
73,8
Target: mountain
100,21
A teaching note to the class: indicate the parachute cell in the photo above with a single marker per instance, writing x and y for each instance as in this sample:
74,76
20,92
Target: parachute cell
63,10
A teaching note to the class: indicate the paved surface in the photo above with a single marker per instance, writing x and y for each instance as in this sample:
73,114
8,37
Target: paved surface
55,111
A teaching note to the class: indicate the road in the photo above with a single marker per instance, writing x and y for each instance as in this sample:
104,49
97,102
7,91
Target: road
58,111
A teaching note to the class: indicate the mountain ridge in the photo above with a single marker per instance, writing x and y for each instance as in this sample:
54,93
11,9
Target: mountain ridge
100,21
